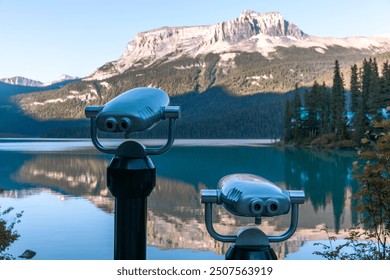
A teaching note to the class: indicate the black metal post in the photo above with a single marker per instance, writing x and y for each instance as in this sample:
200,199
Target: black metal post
130,180
130,229
251,244
250,253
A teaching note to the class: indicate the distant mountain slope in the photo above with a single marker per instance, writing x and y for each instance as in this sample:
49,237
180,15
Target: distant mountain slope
21,81
14,122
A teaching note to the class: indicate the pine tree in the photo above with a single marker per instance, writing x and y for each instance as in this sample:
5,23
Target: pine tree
374,98
288,117
312,98
338,104
297,128
366,80
355,87
385,86
359,120
325,110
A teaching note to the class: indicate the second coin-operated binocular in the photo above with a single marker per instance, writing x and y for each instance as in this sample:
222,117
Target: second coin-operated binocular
251,196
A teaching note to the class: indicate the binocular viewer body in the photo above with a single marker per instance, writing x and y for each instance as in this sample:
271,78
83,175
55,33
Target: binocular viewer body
252,196
133,111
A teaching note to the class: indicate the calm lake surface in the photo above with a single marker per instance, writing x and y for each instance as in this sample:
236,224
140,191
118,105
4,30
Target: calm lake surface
68,210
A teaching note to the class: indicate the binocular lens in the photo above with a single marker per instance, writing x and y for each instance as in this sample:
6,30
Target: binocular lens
256,207
272,206
125,124
110,124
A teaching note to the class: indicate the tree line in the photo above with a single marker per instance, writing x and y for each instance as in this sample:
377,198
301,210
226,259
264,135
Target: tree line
324,116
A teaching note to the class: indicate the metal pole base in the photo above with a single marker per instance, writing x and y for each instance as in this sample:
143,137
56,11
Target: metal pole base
251,244
250,253
130,229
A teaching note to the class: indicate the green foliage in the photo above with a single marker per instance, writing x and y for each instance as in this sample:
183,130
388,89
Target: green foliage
311,105
372,171
357,246
337,100
7,233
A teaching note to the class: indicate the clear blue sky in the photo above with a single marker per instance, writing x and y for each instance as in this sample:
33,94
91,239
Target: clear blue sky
42,39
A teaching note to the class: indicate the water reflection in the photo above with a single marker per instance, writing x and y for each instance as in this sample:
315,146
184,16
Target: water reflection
175,215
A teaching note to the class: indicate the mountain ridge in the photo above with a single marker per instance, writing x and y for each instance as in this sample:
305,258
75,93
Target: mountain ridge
23,81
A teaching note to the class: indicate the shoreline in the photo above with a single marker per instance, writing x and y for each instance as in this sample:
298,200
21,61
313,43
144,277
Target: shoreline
78,144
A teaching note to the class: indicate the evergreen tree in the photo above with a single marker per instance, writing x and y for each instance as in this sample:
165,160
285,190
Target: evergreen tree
385,86
297,122
325,110
288,117
355,87
374,98
338,104
359,120
312,103
366,80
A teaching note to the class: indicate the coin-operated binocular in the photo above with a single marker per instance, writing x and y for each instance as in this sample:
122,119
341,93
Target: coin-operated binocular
251,196
131,175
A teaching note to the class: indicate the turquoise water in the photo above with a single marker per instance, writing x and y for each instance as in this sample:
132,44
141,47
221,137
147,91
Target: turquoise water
68,210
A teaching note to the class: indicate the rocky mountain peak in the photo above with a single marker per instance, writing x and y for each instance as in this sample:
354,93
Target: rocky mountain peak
251,32
233,35
272,24
251,23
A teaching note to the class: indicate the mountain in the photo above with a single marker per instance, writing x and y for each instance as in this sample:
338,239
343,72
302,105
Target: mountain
21,81
14,122
231,78
61,79
252,32
238,35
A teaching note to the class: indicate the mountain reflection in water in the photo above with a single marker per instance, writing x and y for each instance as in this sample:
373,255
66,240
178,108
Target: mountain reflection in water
175,214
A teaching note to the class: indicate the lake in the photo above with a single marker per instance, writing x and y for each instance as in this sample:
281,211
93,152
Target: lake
60,185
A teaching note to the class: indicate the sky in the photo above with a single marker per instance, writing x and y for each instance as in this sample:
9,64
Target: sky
43,39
